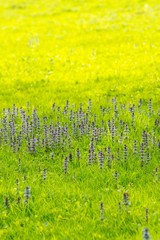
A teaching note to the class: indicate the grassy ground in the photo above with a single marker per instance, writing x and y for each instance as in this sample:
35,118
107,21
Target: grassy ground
52,51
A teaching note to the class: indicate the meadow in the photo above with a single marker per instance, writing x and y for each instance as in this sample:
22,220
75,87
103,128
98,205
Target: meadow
79,119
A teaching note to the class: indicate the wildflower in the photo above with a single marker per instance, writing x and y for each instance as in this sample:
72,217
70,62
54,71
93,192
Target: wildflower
102,211
121,137
126,199
125,152
147,215
17,186
109,156
101,159
118,154
146,235
90,160
150,107
116,175
113,130
27,194
44,174
78,154
135,147
144,139
142,154
126,131
66,165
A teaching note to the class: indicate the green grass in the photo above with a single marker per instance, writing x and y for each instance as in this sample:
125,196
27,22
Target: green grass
52,51
93,47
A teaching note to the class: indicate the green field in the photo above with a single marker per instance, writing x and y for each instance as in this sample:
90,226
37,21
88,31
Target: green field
79,119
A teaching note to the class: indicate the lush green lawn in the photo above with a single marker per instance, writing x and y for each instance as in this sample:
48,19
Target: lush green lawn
53,51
